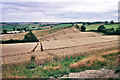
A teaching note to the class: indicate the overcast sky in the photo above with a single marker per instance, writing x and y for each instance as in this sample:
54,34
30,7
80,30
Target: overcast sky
59,10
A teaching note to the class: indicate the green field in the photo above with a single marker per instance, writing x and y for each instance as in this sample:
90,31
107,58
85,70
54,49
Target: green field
62,25
94,27
31,27
10,27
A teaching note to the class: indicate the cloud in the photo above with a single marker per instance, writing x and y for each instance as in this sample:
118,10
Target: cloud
59,10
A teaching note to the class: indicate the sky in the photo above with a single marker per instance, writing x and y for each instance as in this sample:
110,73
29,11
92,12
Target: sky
58,10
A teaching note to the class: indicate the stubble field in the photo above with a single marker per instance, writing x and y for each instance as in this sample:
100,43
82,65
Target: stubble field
58,45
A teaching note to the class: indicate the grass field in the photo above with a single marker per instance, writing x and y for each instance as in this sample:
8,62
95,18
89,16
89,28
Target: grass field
59,68
10,27
94,27
62,25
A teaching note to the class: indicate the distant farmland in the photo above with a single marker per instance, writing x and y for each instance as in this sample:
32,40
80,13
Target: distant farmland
62,25
44,31
33,26
94,27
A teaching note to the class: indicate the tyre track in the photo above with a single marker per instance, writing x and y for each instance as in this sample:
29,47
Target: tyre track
22,53
67,35
55,48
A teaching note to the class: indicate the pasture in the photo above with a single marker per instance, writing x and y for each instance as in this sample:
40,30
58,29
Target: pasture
62,25
94,27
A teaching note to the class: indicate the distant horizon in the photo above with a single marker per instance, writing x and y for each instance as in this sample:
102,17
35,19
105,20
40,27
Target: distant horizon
53,22
59,10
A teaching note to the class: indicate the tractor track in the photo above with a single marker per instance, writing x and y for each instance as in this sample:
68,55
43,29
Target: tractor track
22,53
54,49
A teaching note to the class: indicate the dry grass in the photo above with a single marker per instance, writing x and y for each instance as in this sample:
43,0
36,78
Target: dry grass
110,52
82,51
42,58
48,68
118,61
55,68
95,59
87,61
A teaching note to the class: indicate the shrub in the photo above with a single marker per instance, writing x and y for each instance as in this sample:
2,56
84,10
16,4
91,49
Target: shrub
101,28
13,41
55,75
88,23
109,32
4,31
106,22
18,29
30,37
112,22
117,31
112,29
77,26
83,28
84,23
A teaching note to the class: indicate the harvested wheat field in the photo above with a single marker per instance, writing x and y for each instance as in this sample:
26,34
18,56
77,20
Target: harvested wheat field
38,33
18,36
58,45
70,33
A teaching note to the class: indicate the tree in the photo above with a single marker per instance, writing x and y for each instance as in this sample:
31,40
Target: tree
13,28
30,37
5,31
88,23
18,29
77,26
83,28
50,26
112,29
101,28
106,22
72,24
117,31
24,29
84,23
109,32
112,22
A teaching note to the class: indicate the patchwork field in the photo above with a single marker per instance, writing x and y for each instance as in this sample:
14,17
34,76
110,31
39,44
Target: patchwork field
32,26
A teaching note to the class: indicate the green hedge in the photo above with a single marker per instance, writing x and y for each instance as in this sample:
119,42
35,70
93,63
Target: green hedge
108,31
